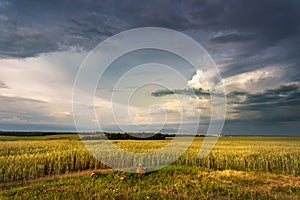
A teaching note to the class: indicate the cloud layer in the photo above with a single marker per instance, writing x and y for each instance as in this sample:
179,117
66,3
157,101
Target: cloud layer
255,44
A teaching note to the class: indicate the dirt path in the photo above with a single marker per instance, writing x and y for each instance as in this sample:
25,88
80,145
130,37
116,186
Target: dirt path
51,177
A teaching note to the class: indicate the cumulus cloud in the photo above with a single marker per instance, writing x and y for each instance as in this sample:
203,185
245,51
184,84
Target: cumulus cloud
256,80
141,119
198,81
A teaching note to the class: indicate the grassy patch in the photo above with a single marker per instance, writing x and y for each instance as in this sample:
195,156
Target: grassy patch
173,182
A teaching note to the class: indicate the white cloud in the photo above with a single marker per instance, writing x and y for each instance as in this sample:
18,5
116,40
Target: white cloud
48,78
141,119
255,81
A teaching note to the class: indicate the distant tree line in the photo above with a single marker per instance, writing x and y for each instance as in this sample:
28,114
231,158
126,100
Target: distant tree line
32,133
184,135
123,136
101,135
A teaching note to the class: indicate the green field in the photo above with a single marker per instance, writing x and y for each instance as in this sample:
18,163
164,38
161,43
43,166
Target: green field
59,167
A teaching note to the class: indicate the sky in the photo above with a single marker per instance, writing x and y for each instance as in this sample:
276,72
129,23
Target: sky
255,45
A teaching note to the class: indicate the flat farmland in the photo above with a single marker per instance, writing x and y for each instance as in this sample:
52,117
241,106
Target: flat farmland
59,166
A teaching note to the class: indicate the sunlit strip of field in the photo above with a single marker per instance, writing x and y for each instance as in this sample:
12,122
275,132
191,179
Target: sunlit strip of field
25,160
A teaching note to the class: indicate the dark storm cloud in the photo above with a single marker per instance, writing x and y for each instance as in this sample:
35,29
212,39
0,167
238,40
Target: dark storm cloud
234,37
189,91
283,96
29,28
267,32
272,20
279,104
253,56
